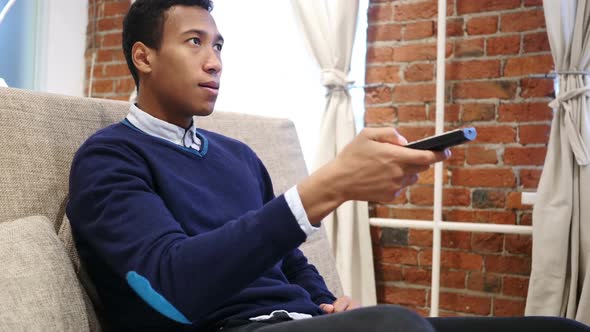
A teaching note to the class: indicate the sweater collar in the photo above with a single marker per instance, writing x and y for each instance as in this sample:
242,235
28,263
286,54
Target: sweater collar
165,130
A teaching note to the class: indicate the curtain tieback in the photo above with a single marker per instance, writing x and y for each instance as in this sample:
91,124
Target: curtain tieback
575,138
335,80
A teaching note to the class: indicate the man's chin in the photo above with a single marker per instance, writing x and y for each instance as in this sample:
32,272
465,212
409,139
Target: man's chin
203,110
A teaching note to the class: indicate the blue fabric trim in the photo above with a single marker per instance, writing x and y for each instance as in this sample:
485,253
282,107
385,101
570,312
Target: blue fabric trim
143,288
204,140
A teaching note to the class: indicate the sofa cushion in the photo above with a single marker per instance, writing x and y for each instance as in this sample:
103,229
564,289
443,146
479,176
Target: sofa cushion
65,235
39,290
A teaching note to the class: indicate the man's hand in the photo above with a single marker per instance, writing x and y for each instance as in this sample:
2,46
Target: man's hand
341,304
373,167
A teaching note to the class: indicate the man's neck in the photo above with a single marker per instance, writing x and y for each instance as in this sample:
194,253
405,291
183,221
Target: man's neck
147,102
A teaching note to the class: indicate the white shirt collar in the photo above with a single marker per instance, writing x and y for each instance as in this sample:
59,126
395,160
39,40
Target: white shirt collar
162,129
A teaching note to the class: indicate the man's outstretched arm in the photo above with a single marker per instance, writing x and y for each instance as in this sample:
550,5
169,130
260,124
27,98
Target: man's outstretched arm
373,167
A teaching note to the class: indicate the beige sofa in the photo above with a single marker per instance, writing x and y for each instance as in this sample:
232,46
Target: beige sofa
42,284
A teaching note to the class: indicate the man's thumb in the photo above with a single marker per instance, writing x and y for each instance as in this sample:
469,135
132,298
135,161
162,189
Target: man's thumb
386,135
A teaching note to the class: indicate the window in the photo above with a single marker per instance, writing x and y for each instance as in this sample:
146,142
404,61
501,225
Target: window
42,45
18,42
268,70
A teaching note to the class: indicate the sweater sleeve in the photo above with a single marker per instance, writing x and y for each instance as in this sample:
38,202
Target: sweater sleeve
115,210
299,271
295,266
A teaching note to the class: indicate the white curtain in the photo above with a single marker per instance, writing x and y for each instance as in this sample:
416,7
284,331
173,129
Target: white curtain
560,276
329,27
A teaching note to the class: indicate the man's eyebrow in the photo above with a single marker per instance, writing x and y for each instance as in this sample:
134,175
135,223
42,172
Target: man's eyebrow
218,37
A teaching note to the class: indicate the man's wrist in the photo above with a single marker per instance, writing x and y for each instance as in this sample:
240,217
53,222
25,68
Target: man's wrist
321,193
294,201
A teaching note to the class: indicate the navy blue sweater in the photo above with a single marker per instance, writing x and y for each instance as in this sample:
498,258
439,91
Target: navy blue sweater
182,240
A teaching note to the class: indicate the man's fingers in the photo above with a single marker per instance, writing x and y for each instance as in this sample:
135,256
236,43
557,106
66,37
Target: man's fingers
415,169
385,135
327,308
340,306
409,180
409,156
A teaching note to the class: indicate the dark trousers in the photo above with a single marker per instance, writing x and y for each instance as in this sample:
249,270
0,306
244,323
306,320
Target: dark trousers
397,319
507,324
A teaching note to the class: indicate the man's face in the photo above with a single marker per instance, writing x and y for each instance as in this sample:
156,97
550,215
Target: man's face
187,69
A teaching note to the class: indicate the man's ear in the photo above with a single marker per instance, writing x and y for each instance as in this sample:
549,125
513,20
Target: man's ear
142,57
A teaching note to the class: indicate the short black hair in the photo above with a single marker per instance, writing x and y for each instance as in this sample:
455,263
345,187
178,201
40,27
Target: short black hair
144,22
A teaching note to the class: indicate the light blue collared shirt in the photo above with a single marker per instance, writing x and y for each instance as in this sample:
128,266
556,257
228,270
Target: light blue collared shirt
188,138
165,130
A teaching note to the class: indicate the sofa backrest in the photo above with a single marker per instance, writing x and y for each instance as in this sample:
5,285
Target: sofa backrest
39,134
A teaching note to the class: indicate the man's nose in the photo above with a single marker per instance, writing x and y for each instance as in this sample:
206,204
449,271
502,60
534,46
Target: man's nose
213,63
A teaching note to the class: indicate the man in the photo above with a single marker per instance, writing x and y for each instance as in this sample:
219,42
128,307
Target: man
164,233
179,228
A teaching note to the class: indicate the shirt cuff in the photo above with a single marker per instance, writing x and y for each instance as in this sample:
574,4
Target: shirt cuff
294,201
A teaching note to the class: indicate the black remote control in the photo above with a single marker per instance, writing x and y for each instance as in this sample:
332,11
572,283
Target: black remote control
445,140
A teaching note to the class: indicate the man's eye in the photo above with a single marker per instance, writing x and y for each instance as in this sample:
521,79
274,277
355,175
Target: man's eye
218,47
195,41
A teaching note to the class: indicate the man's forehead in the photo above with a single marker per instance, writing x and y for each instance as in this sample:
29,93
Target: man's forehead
180,19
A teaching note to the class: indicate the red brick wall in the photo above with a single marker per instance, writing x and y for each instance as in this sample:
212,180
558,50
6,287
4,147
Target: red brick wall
492,47
111,77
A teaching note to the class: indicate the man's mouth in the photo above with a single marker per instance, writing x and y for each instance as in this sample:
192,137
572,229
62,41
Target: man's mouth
211,85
